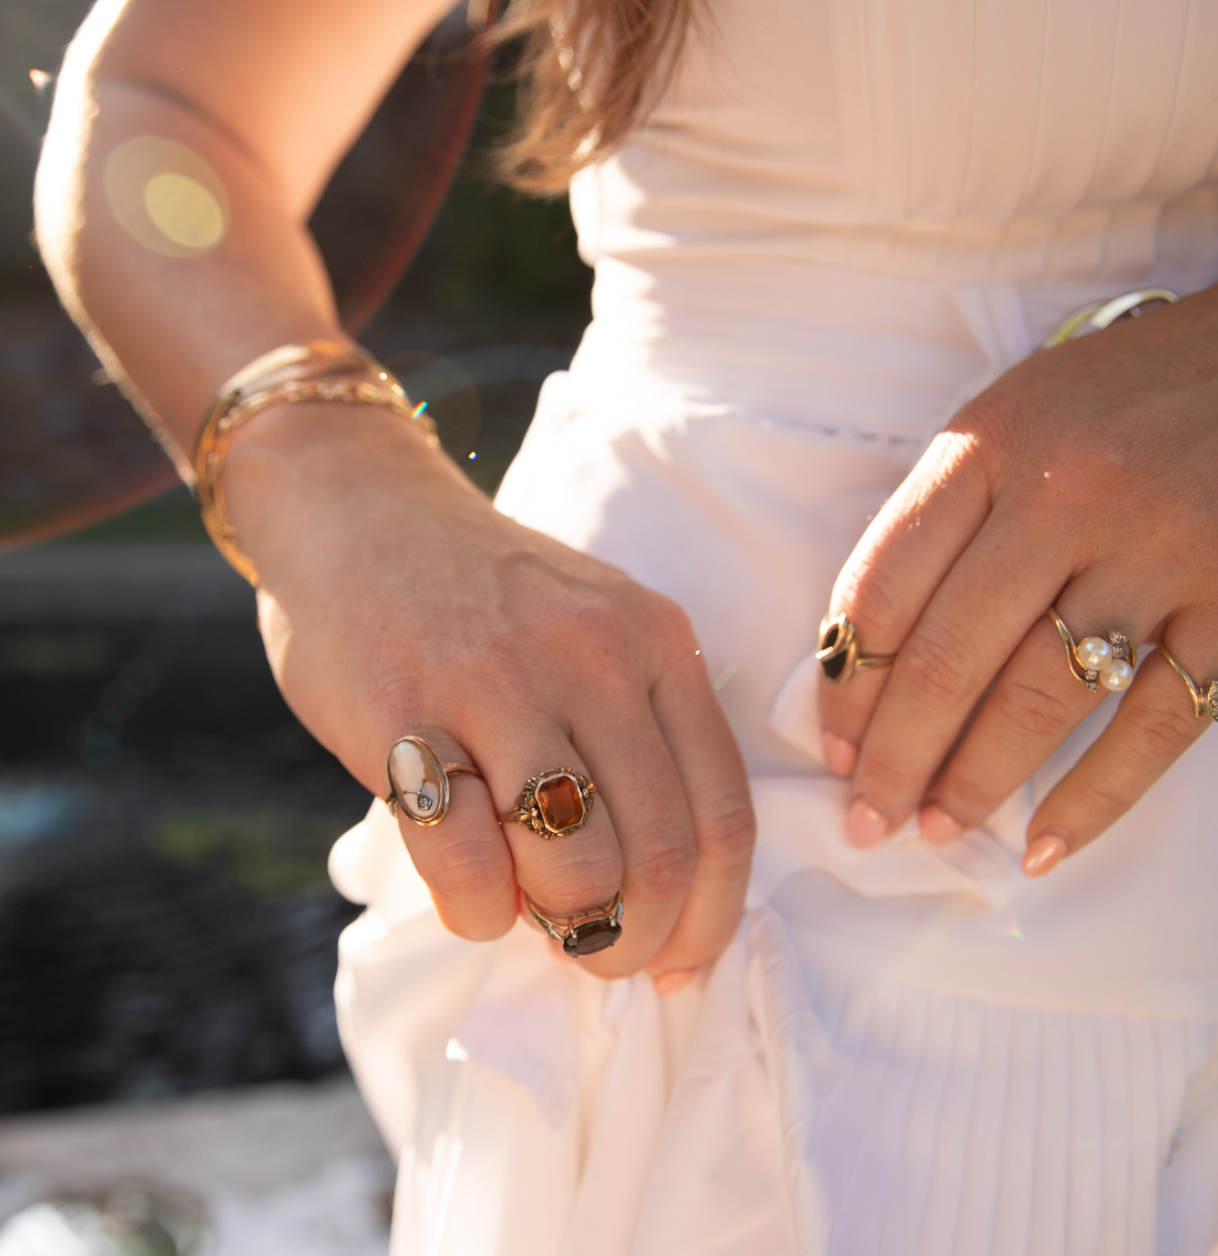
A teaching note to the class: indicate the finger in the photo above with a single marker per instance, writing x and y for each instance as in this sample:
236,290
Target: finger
563,875
1033,707
716,787
985,606
1154,724
646,801
900,560
463,858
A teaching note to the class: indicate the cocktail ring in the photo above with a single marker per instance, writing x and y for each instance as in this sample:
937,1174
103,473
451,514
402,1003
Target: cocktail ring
1094,661
586,932
837,652
1205,700
418,780
553,804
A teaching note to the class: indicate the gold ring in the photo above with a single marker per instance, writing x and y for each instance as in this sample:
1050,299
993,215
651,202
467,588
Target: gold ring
418,780
837,651
1205,701
1095,661
586,932
553,804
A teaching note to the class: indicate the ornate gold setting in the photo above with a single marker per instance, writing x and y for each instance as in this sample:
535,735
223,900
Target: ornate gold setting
554,803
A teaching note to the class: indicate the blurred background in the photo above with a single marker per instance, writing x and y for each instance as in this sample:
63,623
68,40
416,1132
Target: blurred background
170,1070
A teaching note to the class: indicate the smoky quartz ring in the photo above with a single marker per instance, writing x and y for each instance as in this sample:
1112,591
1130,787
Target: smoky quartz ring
584,933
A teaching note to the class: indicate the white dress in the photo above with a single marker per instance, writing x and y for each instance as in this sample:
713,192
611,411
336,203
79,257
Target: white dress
846,217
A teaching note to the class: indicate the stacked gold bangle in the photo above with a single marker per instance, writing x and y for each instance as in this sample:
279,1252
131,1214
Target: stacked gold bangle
319,370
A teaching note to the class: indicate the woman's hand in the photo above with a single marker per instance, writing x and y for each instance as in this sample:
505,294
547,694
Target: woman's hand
1083,479
395,599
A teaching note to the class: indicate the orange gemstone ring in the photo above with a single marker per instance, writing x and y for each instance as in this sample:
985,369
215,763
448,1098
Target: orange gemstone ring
553,804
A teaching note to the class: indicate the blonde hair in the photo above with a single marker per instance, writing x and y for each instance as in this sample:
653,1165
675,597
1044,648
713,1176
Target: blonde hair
590,71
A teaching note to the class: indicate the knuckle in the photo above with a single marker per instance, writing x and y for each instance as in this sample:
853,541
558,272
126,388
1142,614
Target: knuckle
574,888
664,872
467,870
1103,796
1162,731
937,662
1033,709
883,775
727,835
872,599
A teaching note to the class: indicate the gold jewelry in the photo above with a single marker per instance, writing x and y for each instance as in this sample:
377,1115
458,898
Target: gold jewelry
1205,700
1101,314
837,652
584,933
320,370
418,780
1094,661
553,804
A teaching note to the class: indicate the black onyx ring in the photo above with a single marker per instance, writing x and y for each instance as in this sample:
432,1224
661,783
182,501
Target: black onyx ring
418,780
586,932
553,804
837,652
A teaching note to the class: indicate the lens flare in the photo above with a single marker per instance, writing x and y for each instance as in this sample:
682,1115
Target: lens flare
166,197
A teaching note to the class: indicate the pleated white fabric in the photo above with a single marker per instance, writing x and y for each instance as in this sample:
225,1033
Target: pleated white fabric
846,218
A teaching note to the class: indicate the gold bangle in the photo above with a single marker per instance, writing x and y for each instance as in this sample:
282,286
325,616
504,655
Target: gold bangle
293,373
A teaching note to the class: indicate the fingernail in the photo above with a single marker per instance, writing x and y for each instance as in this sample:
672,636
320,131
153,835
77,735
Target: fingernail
864,824
839,754
670,983
1044,854
937,825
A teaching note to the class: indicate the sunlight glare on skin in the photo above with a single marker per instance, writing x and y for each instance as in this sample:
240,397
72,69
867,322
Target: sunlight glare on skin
166,197
184,211
41,80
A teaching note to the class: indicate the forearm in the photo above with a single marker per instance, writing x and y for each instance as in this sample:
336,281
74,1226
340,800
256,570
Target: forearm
172,323
186,147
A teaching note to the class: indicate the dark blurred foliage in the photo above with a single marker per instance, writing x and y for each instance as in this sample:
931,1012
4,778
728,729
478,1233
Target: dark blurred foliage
165,922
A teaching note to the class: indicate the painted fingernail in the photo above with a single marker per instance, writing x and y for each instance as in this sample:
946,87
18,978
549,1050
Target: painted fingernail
936,825
864,824
840,755
1044,855
670,983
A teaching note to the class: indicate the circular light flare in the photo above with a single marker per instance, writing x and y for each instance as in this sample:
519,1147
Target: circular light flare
166,197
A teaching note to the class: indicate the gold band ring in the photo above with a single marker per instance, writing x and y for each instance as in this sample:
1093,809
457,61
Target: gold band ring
1095,661
586,932
553,804
1205,700
1097,315
837,651
418,780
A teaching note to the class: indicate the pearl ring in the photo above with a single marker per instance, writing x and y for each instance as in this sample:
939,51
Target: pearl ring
1095,661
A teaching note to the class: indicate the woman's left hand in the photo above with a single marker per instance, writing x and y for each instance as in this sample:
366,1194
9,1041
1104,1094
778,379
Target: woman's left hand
1086,478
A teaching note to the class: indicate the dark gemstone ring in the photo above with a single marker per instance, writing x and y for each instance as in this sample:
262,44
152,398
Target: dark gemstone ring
586,932
553,804
838,653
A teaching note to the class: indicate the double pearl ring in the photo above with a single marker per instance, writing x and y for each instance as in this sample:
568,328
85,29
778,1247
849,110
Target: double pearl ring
1095,661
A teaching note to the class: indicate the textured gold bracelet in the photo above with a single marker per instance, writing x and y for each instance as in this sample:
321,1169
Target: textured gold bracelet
318,371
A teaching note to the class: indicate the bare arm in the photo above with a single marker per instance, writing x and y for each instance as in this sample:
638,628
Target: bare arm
188,142
266,95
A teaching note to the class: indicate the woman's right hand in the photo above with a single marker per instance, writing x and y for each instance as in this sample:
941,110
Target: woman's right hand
396,599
